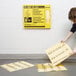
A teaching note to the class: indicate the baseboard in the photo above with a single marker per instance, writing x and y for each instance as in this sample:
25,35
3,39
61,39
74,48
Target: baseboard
23,56
29,56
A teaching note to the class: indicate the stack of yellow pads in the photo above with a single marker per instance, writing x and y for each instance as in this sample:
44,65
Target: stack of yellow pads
48,67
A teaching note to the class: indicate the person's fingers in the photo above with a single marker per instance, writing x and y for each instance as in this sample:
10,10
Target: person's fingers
62,41
74,51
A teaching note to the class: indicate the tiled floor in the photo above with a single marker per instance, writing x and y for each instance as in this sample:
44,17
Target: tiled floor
33,71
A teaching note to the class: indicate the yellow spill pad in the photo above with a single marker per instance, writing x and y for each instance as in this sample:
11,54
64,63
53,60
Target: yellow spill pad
59,53
49,67
16,66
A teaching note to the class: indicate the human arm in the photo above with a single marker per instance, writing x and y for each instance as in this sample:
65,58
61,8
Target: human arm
67,37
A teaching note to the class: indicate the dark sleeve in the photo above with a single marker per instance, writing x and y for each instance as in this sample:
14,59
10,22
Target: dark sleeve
73,29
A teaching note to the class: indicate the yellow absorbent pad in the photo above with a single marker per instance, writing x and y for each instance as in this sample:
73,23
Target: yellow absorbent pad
46,67
16,66
59,53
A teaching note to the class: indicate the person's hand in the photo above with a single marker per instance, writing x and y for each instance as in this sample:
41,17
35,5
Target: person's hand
62,41
74,51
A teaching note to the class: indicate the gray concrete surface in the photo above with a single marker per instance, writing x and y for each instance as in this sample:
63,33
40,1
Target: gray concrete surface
33,71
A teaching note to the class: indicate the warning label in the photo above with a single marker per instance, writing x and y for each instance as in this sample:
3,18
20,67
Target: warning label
27,19
36,16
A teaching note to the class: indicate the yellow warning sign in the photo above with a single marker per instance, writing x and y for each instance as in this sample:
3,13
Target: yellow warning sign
59,53
36,16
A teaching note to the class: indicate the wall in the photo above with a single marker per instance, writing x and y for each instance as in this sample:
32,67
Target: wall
16,40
